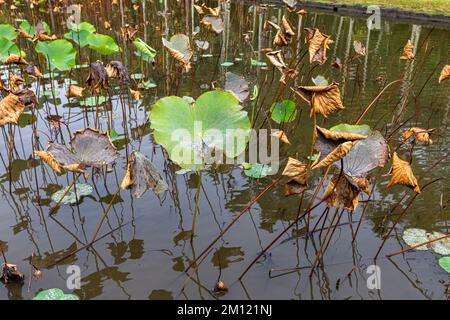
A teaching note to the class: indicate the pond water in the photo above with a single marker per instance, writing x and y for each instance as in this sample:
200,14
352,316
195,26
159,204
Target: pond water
146,256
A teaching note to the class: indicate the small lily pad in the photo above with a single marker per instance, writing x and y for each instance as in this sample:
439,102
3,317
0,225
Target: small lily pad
227,64
256,170
444,262
415,236
284,111
55,294
72,197
440,246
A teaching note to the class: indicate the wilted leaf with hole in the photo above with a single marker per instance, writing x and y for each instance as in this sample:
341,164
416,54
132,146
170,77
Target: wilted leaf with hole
180,48
445,73
284,34
420,135
341,193
15,59
10,109
103,44
60,54
401,173
408,51
90,148
98,77
284,111
55,294
213,23
323,99
141,175
296,170
74,92
318,45
359,48
74,195
217,110
237,85
281,135
116,69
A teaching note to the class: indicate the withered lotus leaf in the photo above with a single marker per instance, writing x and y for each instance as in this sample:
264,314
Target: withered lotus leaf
116,69
359,48
323,99
33,71
90,148
336,154
276,59
337,135
98,78
128,32
15,82
3,87
290,4
10,109
281,135
302,12
293,187
408,51
318,45
284,34
296,170
341,193
214,23
211,11
180,48
237,85
136,94
401,173
141,175
445,73
40,34
199,9
10,273
27,97
15,59
337,63
420,135
22,34
74,91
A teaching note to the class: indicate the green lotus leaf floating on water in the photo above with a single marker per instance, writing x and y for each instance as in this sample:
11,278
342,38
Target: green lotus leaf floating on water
79,33
103,44
188,132
60,54
74,195
284,111
55,294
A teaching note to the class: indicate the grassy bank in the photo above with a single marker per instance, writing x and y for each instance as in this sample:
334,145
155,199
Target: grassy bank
419,6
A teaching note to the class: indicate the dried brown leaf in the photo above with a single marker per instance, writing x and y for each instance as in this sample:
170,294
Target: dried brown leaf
323,99
420,135
296,170
341,193
337,154
10,109
281,135
74,92
408,51
401,173
445,73
318,45
336,136
15,59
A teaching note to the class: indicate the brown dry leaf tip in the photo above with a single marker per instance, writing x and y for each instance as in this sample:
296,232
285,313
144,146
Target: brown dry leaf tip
15,82
54,121
359,48
296,170
420,135
40,34
281,135
106,25
337,63
341,194
48,158
98,78
199,9
74,92
116,69
336,136
211,11
284,34
318,45
10,109
136,94
401,173
323,99
115,2
22,34
11,273
302,12
337,154
33,71
408,51
15,59
213,23
3,87
128,32
445,73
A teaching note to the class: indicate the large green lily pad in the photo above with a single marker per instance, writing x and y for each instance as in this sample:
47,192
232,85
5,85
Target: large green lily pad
187,131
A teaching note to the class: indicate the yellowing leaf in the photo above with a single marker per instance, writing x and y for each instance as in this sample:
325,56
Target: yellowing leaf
401,173
420,135
445,73
318,45
10,109
296,170
341,194
408,51
323,99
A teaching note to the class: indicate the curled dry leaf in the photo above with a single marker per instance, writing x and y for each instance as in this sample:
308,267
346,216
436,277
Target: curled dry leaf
281,135
3,87
40,35
98,78
10,273
116,69
15,59
237,85
213,23
296,170
445,73
336,154
284,34
302,12
128,32
15,82
337,135
211,11
323,99
90,148
10,109
318,45
74,92
106,25
27,97
276,59
136,94
180,48
420,135
141,175
341,193
33,71
54,121
359,48
408,51
401,173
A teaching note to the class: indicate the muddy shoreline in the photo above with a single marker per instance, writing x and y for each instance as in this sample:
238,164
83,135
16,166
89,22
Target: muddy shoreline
361,10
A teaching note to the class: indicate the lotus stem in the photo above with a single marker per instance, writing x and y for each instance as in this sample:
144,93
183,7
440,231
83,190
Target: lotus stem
197,197
110,204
